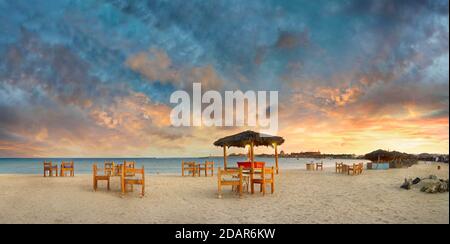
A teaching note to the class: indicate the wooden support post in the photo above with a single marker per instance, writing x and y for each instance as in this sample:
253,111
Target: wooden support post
252,170
276,157
252,155
225,157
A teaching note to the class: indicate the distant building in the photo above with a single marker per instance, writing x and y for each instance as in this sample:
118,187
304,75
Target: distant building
306,154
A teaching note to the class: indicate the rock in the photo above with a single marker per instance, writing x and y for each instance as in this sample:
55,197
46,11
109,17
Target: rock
407,184
443,187
430,184
435,187
416,180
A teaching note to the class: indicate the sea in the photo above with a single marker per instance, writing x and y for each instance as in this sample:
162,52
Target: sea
170,166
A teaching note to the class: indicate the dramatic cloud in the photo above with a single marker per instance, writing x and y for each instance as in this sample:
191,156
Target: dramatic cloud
93,78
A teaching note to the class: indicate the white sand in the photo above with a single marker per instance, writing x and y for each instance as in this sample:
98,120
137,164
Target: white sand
301,197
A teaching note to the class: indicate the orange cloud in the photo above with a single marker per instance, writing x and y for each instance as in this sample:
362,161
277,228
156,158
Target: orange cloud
155,64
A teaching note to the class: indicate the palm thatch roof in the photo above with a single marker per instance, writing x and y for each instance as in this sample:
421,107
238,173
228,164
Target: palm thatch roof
388,156
247,137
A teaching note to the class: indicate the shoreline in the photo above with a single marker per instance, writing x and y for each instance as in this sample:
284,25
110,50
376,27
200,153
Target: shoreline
300,197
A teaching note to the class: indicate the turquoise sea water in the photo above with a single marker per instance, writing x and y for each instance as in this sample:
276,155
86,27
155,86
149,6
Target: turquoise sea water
152,165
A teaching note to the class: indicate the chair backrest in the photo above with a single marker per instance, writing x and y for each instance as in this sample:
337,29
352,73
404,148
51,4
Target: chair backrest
67,164
126,171
188,164
129,164
47,164
268,171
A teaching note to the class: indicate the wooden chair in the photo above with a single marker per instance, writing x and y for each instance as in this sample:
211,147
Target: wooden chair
264,180
191,167
129,165
233,177
206,167
129,177
319,165
49,168
96,177
108,168
339,167
360,167
352,168
67,167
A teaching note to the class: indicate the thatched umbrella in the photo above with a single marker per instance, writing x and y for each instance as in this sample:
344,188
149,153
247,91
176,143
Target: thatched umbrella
252,139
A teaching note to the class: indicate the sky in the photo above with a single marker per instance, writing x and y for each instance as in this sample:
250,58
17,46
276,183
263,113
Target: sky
86,78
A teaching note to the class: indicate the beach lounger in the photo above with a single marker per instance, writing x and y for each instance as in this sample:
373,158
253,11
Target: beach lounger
191,167
264,180
229,177
67,167
132,176
96,177
49,169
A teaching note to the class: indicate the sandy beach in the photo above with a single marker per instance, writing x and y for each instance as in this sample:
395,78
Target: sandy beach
301,197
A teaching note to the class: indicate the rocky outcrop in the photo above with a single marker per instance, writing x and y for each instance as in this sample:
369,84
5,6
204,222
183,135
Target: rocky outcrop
430,184
435,186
